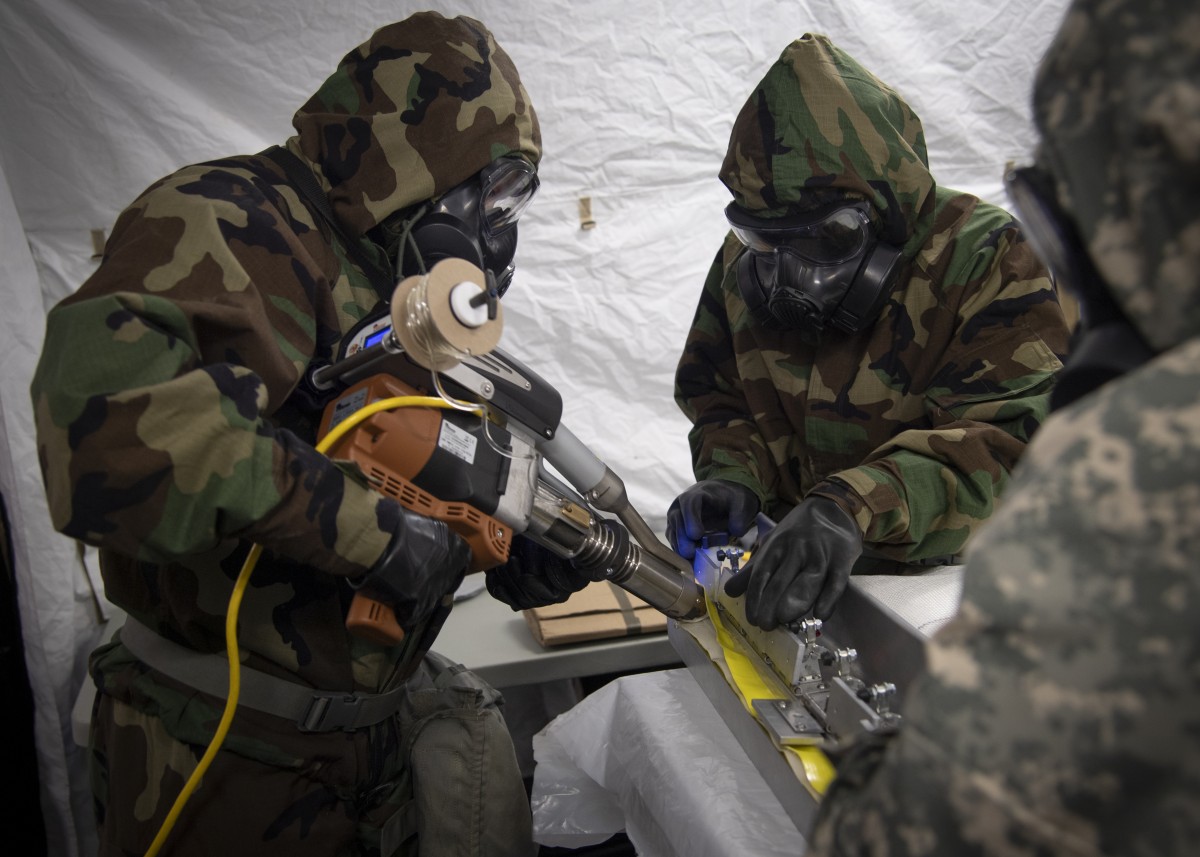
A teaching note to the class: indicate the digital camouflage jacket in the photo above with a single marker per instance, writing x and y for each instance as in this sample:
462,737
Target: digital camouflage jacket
1060,711
913,424
168,429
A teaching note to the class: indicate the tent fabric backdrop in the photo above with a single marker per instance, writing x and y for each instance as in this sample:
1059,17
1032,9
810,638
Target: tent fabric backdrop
636,100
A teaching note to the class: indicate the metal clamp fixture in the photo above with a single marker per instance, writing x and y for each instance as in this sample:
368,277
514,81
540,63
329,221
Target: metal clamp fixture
824,699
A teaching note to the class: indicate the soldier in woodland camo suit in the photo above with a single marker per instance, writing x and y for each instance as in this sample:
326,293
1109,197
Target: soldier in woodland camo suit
174,431
871,352
1060,711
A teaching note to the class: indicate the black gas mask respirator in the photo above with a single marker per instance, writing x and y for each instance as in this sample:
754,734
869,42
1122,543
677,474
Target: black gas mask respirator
1105,344
475,220
824,269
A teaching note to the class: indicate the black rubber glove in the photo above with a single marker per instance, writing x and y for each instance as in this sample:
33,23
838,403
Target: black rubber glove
711,506
424,561
534,576
802,564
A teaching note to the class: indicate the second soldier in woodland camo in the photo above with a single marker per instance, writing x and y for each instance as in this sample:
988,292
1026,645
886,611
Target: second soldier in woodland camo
1060,712
871,352
174,431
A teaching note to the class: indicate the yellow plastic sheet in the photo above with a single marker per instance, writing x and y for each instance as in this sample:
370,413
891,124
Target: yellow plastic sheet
750,685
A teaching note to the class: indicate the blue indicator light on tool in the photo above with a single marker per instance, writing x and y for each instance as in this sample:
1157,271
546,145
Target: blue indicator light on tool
377,337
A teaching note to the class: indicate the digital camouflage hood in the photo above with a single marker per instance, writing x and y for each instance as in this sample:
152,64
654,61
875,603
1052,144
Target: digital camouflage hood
1118,107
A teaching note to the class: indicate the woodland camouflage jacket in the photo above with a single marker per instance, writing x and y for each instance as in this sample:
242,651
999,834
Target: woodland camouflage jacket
914,424
168,432
1060,711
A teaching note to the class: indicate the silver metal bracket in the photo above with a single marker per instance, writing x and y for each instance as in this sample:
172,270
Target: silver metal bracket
825,698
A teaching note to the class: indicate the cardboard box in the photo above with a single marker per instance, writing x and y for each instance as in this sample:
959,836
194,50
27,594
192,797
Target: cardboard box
596,612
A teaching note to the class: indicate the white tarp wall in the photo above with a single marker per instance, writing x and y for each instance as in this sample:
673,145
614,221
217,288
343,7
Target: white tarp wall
636,100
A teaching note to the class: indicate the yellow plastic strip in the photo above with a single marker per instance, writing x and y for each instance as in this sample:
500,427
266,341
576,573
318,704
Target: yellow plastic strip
750,685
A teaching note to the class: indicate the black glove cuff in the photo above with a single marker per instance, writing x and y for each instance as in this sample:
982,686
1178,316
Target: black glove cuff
424,561
533,576
845,497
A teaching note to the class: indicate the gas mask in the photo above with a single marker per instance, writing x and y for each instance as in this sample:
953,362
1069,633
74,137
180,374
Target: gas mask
826,268
475,220
1105,344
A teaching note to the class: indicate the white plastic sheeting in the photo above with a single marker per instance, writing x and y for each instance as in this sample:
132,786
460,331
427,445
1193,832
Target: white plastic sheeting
656,754
649,754
636,99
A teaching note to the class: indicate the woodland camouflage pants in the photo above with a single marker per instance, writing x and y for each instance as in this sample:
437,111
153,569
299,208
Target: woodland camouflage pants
438,778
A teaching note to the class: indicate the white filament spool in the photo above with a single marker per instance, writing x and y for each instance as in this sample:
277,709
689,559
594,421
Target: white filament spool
426,322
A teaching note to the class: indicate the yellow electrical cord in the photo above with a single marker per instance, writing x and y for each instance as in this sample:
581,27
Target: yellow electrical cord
235,603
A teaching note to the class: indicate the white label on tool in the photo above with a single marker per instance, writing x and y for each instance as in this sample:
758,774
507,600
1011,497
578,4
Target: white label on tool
347,406
457,441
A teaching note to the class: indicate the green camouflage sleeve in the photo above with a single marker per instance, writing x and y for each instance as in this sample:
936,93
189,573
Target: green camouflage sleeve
724,438
925,491
158,380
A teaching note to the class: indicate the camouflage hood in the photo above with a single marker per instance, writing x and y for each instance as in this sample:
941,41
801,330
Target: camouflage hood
1119,115
820,120
420,107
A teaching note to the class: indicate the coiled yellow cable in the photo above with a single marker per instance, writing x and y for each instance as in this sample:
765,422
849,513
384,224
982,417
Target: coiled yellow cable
235,603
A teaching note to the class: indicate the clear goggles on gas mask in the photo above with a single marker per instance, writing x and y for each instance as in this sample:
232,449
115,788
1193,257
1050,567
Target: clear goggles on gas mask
507,186
827,236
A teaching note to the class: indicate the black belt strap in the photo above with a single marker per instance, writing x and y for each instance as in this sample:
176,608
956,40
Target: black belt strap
300,175
311,710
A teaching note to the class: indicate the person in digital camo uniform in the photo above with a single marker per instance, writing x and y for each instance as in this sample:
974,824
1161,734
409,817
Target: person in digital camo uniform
871,351
173,433
1058,713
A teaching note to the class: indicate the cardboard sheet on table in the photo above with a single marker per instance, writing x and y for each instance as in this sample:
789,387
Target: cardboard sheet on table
596,612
